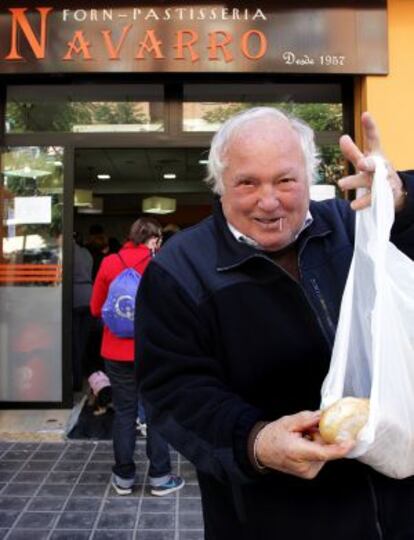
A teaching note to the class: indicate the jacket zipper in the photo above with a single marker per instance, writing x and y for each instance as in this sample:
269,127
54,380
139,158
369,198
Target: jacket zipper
304,294
302,289
318,293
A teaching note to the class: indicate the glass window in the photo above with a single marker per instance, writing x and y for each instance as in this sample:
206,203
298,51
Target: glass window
31,190
84,109
205,109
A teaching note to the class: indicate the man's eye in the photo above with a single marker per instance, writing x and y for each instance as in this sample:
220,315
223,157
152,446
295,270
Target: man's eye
245,182
286,180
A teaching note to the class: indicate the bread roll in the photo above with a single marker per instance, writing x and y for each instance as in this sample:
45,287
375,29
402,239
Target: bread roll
344,419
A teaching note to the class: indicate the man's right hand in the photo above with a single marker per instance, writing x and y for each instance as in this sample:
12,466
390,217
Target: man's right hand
283,445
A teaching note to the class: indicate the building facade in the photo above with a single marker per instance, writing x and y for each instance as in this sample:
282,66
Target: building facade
107,110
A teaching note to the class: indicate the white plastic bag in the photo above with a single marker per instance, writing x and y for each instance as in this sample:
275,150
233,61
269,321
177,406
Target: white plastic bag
373,354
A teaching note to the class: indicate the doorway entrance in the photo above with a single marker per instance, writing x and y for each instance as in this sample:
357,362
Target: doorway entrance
112,188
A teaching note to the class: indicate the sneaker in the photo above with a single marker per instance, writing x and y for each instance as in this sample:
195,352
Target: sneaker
121,485
174,483
141,428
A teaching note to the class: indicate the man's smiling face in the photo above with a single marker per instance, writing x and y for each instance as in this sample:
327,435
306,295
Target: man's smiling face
266,190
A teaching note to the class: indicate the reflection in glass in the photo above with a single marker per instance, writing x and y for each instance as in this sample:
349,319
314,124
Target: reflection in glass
81,117
204,116
333,165
31,197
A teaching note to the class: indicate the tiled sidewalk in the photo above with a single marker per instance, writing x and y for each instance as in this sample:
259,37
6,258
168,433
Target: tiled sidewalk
61,491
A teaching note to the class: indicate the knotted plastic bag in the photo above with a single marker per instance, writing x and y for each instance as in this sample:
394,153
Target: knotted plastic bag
373,354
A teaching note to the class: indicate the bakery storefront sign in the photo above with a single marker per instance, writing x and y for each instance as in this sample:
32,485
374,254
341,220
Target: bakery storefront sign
304,39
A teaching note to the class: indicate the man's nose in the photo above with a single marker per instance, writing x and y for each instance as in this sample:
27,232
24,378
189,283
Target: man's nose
268,199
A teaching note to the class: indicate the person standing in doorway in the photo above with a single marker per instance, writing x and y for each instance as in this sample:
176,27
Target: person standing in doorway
82,289
144,240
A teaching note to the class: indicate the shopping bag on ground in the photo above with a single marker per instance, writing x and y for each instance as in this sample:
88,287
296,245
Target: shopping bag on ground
373,354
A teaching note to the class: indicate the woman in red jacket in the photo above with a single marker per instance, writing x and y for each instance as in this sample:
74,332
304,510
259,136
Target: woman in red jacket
144,240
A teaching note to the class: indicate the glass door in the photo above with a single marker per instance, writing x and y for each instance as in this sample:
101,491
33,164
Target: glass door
31,202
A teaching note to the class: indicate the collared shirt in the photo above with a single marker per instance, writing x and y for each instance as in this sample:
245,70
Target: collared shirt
240,237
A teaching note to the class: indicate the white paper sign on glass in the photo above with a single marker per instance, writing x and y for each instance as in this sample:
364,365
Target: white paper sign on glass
31,210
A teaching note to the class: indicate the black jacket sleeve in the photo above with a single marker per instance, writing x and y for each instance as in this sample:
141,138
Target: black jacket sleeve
402,233
183,382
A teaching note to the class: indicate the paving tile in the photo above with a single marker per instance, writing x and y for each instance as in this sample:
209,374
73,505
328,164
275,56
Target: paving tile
66,477
67,466
83,504
155,535
21,489
12,503
70,535
98,466
7,518
5,476
95,477
190,490
28,446
42,504
186,466
8,466
116,520
38,466
36,520
5,446
156,521
157,504
80,520
104,446
89,490
121,504
191,535
140,454
191,520
52,447
2,486
87,444
113,535
30,476
81,455
103,456
45,456
24,534
54,490
3,533
17,455
189,473
189,505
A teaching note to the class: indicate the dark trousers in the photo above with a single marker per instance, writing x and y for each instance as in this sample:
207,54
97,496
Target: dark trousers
125,402
81,324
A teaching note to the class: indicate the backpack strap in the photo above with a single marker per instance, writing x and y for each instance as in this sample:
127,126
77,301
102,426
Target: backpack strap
122,260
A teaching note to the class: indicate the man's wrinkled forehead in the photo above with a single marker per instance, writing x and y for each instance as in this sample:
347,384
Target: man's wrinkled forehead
262,130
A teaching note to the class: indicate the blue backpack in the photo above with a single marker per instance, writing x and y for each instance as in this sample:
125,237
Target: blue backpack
119,308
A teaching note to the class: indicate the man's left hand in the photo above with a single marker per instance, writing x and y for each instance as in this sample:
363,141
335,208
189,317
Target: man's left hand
365,166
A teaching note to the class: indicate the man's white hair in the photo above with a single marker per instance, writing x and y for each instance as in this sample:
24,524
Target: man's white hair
220,142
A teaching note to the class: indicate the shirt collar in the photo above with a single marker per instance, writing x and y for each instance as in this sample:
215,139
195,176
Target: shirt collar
243,239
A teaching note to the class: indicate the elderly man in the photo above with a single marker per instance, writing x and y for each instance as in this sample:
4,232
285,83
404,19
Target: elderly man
236,322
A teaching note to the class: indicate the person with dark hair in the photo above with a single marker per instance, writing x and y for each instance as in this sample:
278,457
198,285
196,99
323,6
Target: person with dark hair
144,241
97,245
114,245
